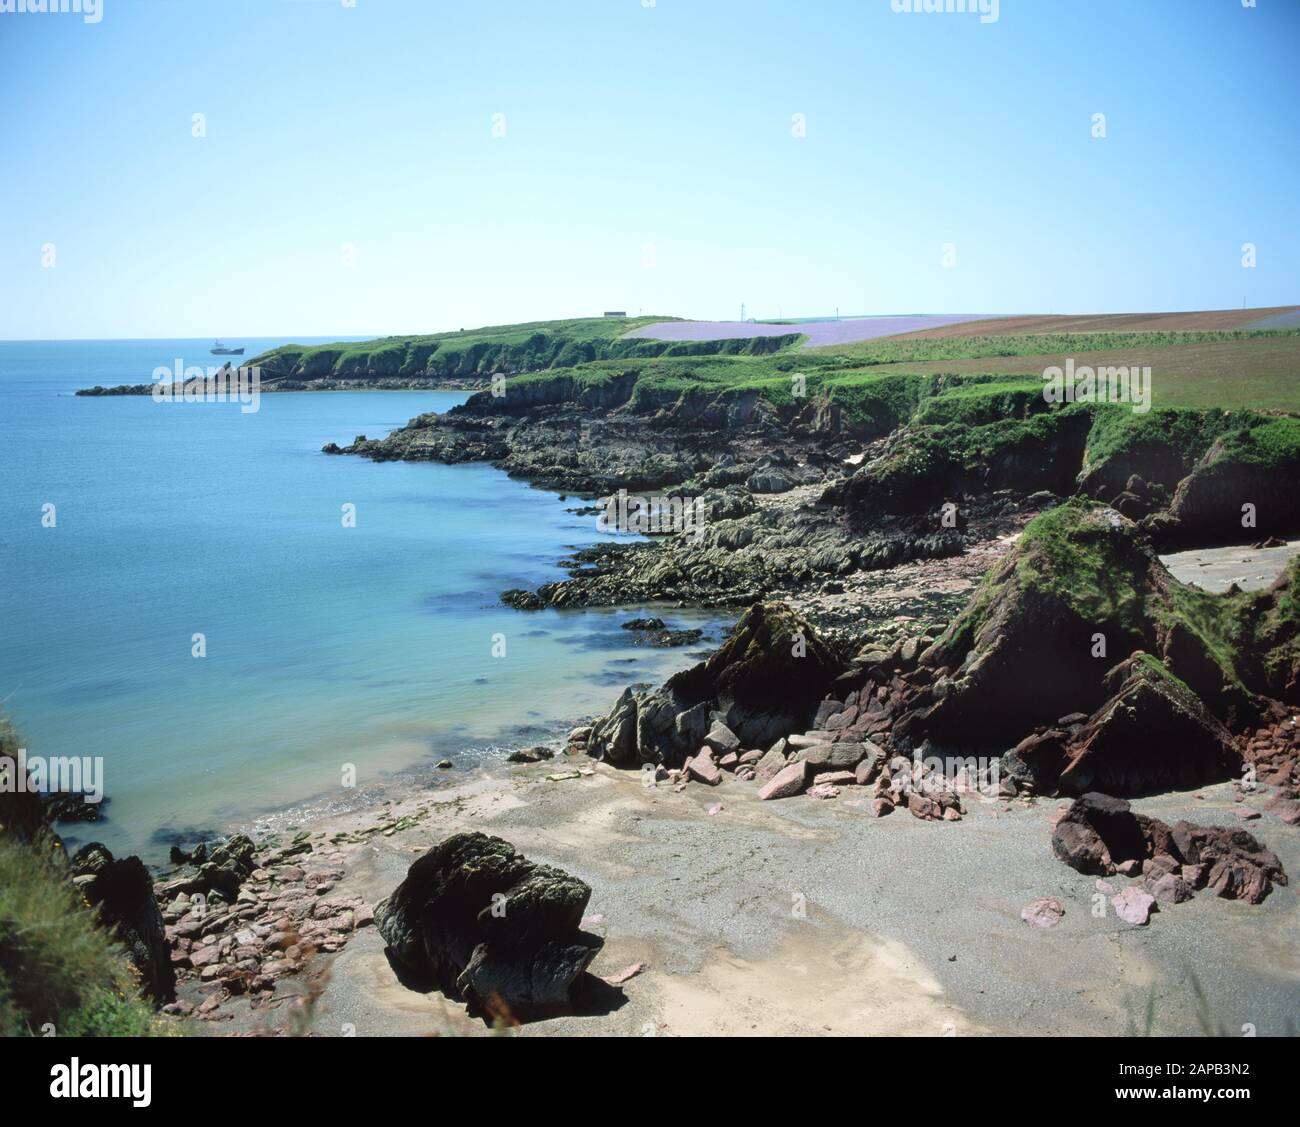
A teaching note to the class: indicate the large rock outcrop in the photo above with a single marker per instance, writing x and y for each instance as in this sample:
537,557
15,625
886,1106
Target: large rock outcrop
1152,733
1082,591
1233,492
1083,655
121,890
765,680
490,927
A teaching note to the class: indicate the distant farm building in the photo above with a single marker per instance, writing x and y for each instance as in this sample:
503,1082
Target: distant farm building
615,313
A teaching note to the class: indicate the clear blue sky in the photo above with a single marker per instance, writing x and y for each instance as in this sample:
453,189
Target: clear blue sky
628,125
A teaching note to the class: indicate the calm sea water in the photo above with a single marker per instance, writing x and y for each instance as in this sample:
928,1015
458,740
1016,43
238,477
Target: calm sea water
325,645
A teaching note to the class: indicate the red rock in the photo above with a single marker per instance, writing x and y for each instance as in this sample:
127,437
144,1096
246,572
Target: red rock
704,769
823,790
728,762
952,814
1169,888
1133,906
837,778
881,806
922,807
626,973
772,763
1043,912
205,956
1245,813
1288,809
716,808
790,780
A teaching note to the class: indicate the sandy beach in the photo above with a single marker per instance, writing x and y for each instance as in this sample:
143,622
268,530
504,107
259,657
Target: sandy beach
811,917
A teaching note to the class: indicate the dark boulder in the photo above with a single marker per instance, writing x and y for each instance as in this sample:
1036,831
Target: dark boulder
122,892
1232,862
490,927
1100,835
222,869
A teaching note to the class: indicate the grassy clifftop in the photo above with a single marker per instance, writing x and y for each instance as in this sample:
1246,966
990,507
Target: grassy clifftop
510,349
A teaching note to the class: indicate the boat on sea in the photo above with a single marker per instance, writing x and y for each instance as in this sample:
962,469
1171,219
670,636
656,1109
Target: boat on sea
219,349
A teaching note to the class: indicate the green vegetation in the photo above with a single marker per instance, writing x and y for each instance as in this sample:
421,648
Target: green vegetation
1254,636
1270,443
1081,562
1087,559
891,351
532,347
57,966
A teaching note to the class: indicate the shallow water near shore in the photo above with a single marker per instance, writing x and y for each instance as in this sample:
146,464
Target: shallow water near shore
382,646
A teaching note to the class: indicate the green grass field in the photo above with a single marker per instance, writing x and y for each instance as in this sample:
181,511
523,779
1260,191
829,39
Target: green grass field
970,379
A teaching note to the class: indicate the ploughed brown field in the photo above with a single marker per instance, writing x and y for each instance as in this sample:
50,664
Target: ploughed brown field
1208,320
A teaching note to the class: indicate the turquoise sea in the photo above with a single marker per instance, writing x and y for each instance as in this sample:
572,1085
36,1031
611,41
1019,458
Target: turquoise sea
325,645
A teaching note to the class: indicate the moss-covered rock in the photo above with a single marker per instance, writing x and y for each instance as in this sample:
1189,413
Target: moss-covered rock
1243,488
927,465
1082,591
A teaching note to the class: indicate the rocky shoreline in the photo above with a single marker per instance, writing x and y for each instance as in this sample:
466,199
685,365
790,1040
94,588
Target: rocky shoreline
278,384
934,622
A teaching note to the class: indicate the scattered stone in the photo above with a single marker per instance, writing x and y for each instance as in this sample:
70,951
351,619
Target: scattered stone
626,973
530,755
1133,906
704,769
561,776
722,739
770,763
789,781
1168,888
1043,912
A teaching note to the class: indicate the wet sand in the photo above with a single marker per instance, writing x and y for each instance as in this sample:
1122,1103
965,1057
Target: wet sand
1217,569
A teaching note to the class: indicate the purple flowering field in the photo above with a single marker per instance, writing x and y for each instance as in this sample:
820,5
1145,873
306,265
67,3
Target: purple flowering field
819,333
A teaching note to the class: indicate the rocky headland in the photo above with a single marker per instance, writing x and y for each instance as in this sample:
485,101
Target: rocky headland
951,604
